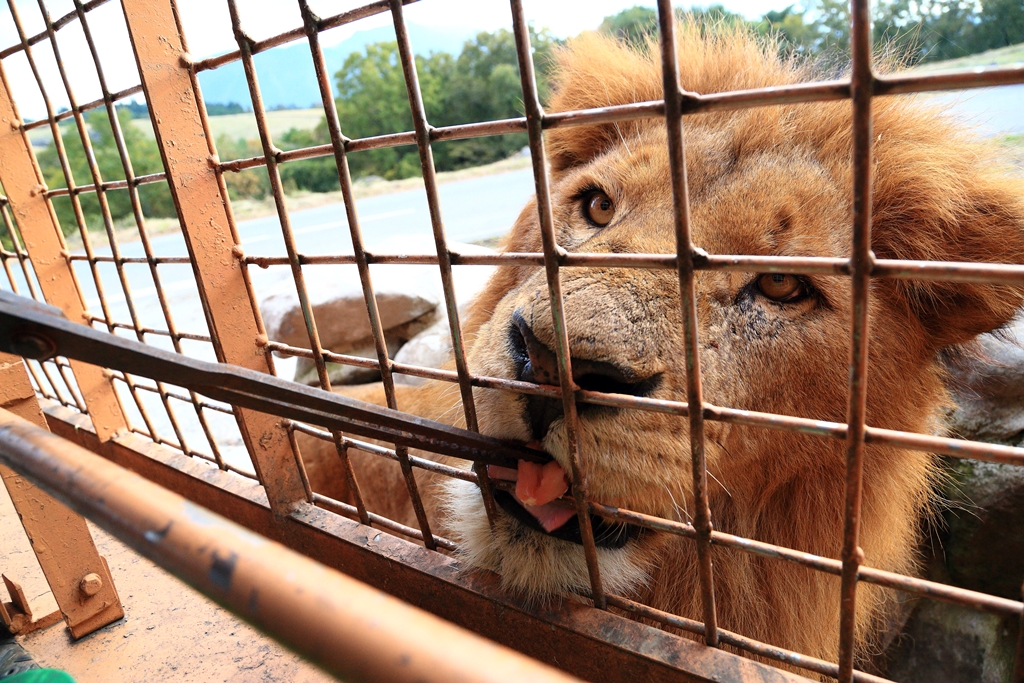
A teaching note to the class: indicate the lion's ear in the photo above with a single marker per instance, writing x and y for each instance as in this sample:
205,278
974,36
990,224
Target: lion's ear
597,71
942,195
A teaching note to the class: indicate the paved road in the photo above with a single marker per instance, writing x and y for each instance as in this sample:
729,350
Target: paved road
473,210
996,111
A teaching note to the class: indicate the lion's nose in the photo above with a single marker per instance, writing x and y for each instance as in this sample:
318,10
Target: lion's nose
535,362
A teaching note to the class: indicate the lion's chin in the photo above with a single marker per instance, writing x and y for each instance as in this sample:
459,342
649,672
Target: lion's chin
532,564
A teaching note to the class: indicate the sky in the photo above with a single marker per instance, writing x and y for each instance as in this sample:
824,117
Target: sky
208,31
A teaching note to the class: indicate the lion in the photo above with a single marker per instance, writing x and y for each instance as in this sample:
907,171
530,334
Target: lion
765,181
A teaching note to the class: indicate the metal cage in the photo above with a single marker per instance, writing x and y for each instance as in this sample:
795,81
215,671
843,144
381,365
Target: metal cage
124,412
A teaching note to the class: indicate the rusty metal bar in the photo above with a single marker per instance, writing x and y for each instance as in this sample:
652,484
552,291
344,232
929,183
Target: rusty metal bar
44,243
419,118
78,577
335,21
88,106
347,627
1018,659
593,644
535,122
270,152
140,222
108,185
947,271
688,299
861,258
108,221
40,334
233,321
311,23
58,24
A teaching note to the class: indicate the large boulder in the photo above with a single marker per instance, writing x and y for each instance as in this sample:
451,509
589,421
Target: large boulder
953,644
988,388
985,548
978,544
410,299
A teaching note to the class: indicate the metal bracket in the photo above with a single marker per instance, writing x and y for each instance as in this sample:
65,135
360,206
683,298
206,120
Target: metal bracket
17,615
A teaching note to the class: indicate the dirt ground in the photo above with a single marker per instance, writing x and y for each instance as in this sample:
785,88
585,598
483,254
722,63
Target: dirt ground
169,633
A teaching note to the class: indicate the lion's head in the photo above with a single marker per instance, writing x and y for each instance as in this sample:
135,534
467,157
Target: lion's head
766,181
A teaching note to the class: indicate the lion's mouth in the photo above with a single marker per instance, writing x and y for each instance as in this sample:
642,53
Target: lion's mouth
537,503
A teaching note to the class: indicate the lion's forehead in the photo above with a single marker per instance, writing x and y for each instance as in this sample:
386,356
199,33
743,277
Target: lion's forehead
742,200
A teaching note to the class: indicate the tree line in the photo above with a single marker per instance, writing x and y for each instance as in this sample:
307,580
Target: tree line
482,83
918,31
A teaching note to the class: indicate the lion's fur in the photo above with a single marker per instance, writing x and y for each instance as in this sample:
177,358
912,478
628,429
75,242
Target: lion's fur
772,181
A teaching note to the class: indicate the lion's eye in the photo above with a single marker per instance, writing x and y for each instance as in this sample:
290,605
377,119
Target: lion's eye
598,208
780,287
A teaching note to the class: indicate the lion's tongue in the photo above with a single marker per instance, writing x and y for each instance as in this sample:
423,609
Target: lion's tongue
537,486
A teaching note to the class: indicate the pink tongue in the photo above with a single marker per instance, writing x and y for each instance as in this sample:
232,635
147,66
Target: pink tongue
550,516
537,486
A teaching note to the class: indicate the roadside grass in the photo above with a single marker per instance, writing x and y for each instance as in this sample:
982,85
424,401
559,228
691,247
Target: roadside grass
234,126
243,126
1012,54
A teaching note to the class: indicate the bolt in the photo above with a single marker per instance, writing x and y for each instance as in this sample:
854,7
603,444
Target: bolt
33,345
90,585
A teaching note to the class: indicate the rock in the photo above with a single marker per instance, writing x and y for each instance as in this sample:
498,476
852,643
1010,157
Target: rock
431,348
989,389
410,299
953,644
339,309
984,550
341,374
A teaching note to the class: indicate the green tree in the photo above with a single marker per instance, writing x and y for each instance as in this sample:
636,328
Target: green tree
154,198
634,25
1000,23
791,29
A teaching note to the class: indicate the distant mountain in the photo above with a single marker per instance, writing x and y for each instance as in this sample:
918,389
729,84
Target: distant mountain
286,74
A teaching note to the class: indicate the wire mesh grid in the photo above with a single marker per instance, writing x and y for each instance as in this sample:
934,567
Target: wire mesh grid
142,398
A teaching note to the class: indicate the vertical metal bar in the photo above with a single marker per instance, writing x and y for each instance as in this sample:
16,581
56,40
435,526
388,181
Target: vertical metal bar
311,23
270,154
688,302
552,254
59,537
232,227
212,247
444,261
44,242
136,204
1018,660
108,220
862,83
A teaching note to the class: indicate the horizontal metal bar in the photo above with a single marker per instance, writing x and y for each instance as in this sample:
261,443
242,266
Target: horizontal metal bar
95,104
58,24
108,185
148,330
156,260
350,511
896,269
31,333
350,629
296,34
